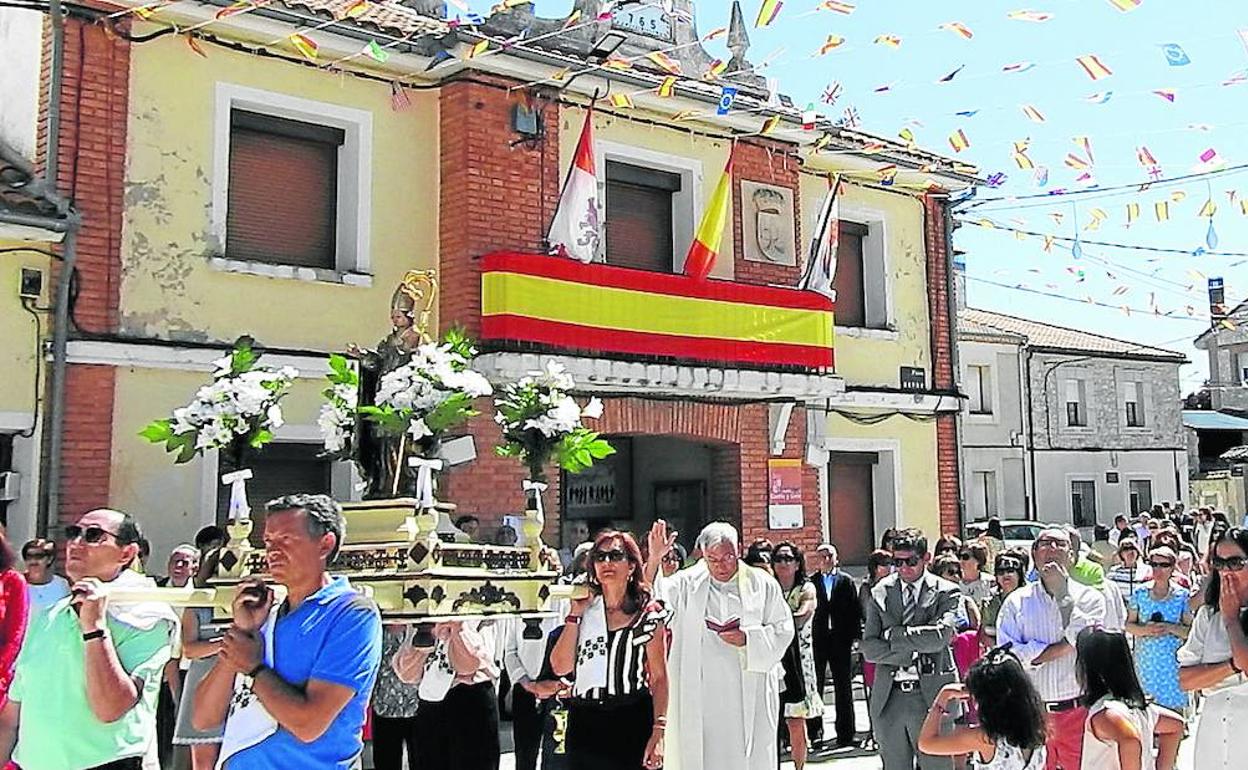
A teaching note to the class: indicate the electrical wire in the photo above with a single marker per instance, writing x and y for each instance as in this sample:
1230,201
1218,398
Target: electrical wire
1104,191
992,225
1089,301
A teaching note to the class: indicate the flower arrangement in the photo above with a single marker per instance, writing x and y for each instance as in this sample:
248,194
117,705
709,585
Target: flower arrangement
430,393
541,422
236,411
337,417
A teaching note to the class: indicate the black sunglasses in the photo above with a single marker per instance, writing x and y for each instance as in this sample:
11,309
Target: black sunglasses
1233,564
612,555
1161,564
90,535
1008,570
909,561
672,557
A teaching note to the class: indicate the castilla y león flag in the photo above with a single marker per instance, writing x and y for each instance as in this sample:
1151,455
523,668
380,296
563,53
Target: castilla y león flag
576,230
705,246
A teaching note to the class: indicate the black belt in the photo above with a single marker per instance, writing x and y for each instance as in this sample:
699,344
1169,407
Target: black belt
1054,707
906,685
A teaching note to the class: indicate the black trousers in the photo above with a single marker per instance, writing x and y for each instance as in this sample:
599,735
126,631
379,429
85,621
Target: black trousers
528,720
390,736
836,655
461,731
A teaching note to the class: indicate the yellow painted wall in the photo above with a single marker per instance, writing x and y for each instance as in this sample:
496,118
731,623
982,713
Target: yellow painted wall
919,501
144,481
711,153
19,348
870,360
168,288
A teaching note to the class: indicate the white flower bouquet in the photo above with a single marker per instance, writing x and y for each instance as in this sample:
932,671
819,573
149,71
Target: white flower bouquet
541,421
337,417
238,410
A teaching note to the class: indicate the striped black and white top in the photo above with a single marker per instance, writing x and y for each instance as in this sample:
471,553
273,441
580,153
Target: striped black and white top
626,656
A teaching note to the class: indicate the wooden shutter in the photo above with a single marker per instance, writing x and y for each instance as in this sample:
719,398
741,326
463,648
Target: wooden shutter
281,468
851,508
639,217
851,306
283,191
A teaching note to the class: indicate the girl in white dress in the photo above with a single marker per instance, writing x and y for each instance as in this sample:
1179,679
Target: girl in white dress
1122,724
1215,655
1011,730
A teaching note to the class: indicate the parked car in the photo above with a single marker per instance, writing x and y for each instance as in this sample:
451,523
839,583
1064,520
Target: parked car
1019,533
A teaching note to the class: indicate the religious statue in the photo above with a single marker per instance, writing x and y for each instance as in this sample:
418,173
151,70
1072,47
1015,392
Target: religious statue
381,458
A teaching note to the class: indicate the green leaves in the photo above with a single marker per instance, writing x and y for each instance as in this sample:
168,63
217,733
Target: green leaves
244,356
578,450
341,372
161,432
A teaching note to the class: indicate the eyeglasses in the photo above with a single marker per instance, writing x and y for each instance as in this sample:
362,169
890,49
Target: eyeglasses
1053,542
908,561
672,558
1233,564
1161,564
90,535
784,559
1008,570
613,555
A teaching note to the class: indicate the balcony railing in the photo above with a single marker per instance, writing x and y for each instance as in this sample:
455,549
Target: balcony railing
532,301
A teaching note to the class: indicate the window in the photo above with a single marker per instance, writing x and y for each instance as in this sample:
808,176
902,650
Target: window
849,283
282,205
851,503
291,186
983,494
979,388
1133,400
283,468
1076,404
1141,492
639,217
1083,503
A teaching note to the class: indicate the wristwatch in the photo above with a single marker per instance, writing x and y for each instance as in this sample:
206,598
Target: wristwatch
98,633
255,672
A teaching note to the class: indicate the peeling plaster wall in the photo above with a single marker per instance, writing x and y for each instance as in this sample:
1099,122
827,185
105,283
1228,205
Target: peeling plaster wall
170,290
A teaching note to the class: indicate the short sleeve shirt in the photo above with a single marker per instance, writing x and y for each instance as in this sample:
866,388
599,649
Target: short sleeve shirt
58,730
333,636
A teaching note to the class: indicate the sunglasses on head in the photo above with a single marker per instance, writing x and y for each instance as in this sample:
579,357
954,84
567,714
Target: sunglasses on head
90,535
1233,564
612,555
909,561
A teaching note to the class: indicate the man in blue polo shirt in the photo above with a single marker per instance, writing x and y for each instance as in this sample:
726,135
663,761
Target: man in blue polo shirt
308,670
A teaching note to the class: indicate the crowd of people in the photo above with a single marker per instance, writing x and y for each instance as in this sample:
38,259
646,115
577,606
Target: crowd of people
1056,655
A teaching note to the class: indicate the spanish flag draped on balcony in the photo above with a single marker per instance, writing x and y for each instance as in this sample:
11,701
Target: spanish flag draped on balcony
705,247
576,230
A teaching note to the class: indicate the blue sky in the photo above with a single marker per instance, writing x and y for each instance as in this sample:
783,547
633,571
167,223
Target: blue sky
1204,114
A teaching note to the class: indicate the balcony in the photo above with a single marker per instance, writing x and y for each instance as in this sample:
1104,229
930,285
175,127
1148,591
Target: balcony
537,303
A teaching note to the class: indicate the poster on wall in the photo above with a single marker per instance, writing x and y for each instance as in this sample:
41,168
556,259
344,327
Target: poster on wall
784,494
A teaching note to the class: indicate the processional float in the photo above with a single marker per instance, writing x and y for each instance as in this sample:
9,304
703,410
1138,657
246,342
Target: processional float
389,410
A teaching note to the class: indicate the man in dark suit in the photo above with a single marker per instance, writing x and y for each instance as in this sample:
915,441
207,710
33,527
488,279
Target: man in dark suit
837,624
910,622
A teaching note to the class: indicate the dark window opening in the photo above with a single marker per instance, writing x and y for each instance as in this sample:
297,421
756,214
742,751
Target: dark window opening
639,217
851,299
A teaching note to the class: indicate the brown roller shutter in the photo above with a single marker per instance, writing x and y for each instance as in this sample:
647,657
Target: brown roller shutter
639,217
283,191
851,308
851,510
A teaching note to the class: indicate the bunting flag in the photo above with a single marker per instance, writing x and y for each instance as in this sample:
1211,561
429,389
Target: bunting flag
1145,157
1021,66
959,29
907,136
1133,213
479,48
1093,67
668,86
575,231
832,93
1033,114
1169,94
822,141
1243,206
958,140
706,244
715,33
1162,210
399,99
887,174
572,19
727,95
621,100
767,13
1099,97
809,118
376,52
1048,243
832,43
618,64
1177,196
1024,162
242,6
820,269
837,7
1035,17
561,74
1175,55
717,68
355,10
890,41
1074,161
665,62
1125,5
1208,210
1086,144
685,115
770,125
1097,216
305,45
951,75
195,46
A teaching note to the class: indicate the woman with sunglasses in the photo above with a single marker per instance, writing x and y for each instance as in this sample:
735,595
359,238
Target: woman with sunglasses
1159,621
1215,656
615,645
1122,725
801,699
1009,573
673,560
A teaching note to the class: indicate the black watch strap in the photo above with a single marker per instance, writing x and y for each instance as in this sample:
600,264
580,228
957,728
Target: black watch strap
98,633
256,671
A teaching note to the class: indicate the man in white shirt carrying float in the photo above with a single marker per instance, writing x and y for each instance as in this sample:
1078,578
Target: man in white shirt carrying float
1041,622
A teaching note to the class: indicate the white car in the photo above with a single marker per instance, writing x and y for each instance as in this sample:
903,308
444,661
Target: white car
1019,533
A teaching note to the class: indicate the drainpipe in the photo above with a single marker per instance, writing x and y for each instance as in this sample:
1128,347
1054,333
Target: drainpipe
51,480
951,302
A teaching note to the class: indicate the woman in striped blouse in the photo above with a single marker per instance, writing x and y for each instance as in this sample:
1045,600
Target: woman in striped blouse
615,645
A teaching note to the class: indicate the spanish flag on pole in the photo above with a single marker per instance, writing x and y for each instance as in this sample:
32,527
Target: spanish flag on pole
705,247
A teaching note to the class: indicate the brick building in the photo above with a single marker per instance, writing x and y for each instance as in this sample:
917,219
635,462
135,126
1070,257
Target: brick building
283,195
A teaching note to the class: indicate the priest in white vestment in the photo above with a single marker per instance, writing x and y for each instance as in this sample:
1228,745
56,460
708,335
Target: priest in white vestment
730,628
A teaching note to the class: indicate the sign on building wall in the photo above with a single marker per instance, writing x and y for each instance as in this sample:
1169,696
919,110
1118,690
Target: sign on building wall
784,494
592,493
767,224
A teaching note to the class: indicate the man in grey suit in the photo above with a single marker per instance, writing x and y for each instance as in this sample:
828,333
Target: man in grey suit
910,622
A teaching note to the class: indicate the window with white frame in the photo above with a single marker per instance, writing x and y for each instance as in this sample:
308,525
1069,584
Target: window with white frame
636,179
1083,503
291,184
861,281
1076,401
984,493
979,388
1133,403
